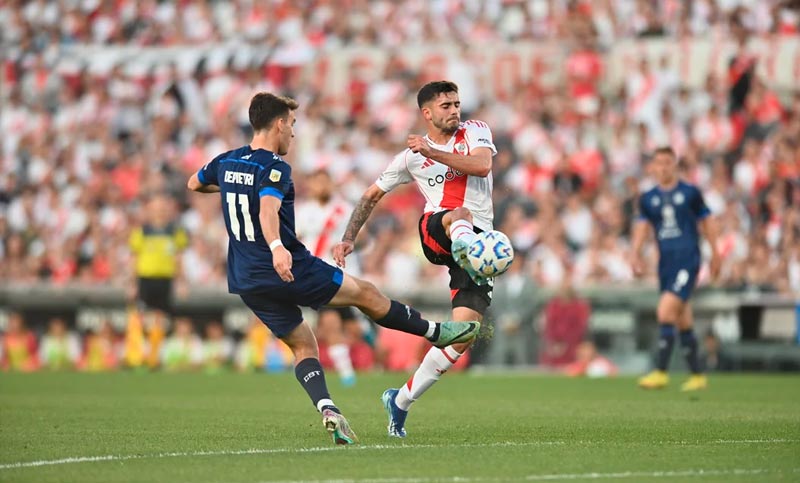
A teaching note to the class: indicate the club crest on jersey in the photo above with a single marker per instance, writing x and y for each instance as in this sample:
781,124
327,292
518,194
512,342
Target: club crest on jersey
461,148
678,198
274,175
655,201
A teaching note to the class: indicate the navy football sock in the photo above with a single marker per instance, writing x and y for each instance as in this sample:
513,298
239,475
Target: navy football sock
310,375
405,319
666,341
689,344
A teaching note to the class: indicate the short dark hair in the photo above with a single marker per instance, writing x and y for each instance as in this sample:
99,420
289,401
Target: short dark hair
664,150
266,107
431,91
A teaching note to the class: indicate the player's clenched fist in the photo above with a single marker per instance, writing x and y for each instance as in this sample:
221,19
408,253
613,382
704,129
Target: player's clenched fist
282,261
418,144
341,250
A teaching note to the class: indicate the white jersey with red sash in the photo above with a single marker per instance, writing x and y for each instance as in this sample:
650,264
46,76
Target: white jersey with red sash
320,226
443,187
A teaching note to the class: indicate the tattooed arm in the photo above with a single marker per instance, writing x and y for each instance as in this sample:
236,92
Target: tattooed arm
360,214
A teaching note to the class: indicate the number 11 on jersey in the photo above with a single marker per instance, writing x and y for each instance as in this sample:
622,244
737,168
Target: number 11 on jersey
249,230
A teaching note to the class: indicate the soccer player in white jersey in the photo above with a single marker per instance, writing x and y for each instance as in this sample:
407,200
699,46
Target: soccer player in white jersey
321,221
452,167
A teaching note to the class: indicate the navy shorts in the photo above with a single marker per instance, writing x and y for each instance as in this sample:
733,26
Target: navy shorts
315,284
436,247
678,276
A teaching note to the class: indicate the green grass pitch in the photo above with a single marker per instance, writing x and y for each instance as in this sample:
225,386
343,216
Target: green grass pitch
129,427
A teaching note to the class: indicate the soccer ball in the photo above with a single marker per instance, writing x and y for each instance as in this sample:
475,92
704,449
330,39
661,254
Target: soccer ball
491,253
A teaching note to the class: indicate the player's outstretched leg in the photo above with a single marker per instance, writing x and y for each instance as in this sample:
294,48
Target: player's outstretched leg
395,315
437,362
458,223
433,366
310,375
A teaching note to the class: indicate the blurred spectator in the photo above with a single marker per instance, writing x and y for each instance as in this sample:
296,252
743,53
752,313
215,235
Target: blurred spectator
566,182
714,357
102,350
259,350
566,319
59,349
362,355
278,357
251,350
19,351
741,70
398,351
321,222
513,311
764,111
590,363
183,350
217,348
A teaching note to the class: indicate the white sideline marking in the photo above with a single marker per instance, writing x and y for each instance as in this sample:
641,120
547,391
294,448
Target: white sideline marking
178,454
558,477
321,449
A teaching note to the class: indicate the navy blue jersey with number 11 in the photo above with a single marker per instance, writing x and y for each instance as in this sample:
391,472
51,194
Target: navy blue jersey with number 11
245,175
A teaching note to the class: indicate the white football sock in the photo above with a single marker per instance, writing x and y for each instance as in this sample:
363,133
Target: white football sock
462,230
324,402
340,355
436,362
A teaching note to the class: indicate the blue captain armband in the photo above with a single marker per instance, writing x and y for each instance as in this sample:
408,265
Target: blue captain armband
270,191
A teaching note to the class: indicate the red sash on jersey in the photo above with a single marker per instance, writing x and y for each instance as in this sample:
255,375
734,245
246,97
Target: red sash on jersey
456,188
327,228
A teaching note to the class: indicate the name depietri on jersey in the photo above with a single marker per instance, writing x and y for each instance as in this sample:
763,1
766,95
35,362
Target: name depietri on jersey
450,175
239,177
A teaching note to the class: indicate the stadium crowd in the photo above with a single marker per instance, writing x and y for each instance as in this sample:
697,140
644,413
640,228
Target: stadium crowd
84,148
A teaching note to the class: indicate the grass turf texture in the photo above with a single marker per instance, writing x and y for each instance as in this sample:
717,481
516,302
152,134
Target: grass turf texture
473,427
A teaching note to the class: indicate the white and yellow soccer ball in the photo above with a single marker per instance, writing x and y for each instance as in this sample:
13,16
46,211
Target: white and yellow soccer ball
491,253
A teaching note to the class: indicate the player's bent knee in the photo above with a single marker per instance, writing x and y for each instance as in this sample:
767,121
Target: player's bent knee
358,293
670,308
369,295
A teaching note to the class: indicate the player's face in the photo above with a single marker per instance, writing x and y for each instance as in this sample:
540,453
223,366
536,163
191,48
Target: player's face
664,168
444,112
287,133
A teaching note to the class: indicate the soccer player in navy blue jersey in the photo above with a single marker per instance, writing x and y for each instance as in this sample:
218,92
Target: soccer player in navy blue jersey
271,270
678,214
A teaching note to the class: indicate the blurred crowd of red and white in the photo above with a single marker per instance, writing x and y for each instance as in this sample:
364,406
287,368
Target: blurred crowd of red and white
84,145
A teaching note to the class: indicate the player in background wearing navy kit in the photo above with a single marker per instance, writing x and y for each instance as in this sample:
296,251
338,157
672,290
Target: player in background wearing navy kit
452,167
676,211
274,273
